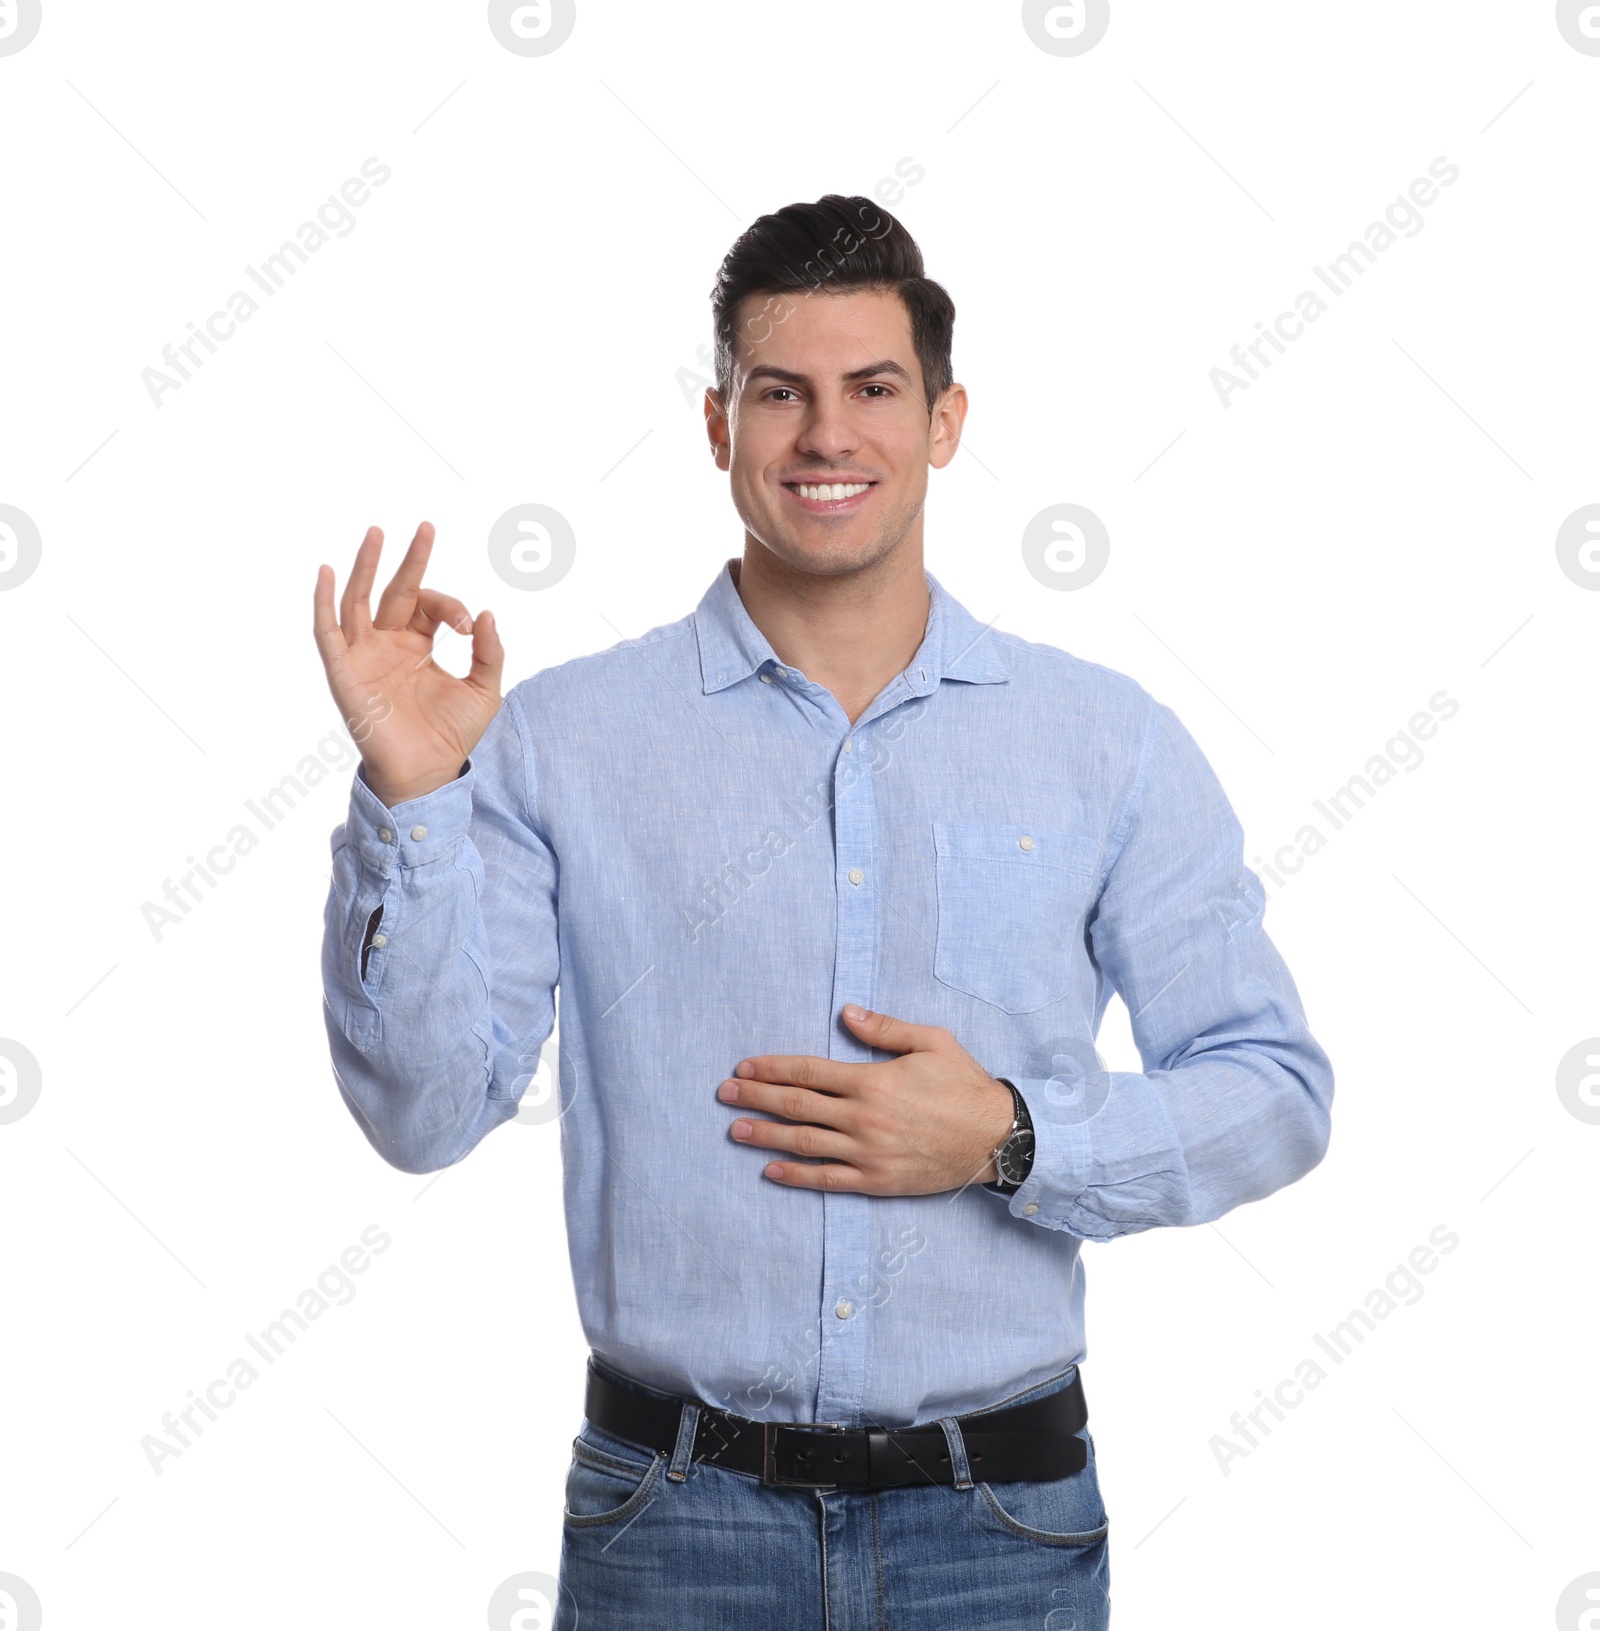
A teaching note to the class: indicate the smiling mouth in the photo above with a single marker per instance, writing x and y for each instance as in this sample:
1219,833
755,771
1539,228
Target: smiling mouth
825,497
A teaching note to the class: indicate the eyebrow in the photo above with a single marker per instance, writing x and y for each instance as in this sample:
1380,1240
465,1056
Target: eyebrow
787,377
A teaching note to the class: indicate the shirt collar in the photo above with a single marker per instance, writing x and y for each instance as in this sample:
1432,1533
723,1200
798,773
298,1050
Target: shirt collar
955,645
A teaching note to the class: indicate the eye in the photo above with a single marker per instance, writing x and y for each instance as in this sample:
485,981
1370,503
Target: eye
884,388
775,390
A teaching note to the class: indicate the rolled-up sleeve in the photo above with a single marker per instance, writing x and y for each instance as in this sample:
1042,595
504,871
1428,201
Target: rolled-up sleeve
1234,1099
440,956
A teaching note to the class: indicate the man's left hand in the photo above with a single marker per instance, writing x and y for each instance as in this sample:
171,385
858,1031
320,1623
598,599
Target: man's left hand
917,1125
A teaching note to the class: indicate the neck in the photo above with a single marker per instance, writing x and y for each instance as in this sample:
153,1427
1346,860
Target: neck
851,633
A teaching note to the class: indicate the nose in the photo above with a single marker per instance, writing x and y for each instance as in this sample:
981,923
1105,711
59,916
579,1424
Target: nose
827,434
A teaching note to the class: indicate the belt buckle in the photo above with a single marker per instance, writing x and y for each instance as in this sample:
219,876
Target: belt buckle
769,1466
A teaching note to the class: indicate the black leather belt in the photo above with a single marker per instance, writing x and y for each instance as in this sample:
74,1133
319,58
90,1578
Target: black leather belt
1024,1442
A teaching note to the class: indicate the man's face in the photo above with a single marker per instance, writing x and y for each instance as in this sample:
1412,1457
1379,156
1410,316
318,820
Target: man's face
827,391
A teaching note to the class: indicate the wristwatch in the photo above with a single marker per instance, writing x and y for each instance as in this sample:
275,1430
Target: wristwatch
1013,1157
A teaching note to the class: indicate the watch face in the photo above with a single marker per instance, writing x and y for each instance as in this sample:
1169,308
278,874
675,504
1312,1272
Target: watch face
1012,1161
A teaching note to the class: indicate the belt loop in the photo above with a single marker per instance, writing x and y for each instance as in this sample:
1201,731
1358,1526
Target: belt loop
683,1450
958,1451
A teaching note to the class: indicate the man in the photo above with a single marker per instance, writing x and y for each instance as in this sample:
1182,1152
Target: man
835,882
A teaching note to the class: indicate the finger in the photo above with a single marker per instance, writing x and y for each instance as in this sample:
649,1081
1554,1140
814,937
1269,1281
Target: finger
355,609
400,598
435,607
325,625
833,1176
793,1103
778,1135
802,1070
893,1035
488,655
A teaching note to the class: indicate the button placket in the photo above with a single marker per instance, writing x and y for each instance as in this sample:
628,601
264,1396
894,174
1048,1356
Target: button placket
842,1366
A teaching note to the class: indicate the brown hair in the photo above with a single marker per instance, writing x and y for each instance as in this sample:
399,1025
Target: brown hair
836,243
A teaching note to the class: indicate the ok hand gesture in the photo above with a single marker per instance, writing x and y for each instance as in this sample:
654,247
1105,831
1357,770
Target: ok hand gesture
414,723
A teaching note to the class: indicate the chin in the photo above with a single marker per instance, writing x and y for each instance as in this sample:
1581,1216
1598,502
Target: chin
821,552
829,557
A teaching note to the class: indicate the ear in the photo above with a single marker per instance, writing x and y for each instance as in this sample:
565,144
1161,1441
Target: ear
944,433
717,428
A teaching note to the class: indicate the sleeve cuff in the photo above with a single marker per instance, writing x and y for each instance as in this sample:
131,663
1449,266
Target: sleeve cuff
1106,1157
414,832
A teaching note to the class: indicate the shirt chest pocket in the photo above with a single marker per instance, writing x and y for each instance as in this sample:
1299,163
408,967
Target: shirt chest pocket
1011,906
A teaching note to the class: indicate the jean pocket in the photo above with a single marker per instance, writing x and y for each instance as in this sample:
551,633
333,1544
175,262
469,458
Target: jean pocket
1056,1512
1012,900
606,1488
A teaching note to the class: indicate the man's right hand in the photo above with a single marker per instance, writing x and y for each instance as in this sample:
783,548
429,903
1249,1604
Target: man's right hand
414,723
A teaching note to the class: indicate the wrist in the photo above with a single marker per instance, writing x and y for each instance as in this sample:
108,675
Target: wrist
390,794
999,1118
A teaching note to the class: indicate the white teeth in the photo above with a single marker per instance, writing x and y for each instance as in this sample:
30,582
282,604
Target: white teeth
837,490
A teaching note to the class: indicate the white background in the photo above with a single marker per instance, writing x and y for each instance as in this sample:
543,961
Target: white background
1370,523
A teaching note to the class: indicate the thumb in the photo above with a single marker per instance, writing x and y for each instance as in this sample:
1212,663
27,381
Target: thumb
885,1031
488,655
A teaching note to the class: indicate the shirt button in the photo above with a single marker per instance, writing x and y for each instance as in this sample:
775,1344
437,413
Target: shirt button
850,742
380,940
1030,1209
419,833
843,1309
1024,842
386,835
857,876
766,679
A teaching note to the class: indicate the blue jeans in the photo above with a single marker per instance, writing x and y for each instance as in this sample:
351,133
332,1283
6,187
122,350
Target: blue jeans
655,1540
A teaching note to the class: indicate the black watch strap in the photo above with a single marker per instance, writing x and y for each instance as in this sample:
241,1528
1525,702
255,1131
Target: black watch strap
1014,1158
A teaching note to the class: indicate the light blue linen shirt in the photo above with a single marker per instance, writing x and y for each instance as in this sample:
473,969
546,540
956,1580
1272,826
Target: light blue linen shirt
693,842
